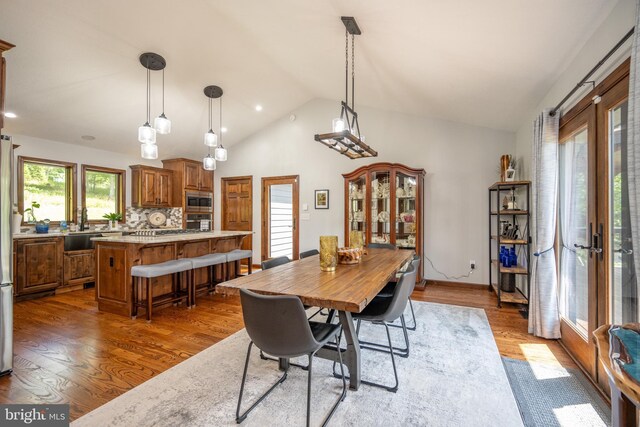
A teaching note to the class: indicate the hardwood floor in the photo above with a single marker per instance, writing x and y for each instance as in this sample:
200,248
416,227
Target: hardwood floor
68,352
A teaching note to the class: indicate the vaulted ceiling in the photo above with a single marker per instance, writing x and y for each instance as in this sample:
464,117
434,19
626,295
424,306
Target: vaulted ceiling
75,69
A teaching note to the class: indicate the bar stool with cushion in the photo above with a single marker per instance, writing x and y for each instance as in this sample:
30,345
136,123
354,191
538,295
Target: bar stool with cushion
386,310
150,271
210,261
236,256
307,254
278,325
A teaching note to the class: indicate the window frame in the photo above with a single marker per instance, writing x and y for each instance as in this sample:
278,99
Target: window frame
71,180
122,190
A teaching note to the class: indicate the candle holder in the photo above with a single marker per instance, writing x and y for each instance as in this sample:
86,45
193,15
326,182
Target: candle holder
356,239
328,253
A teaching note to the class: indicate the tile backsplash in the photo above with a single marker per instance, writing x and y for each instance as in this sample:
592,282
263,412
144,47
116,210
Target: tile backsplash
137,217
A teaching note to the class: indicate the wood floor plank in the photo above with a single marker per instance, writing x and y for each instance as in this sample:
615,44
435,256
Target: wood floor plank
66,351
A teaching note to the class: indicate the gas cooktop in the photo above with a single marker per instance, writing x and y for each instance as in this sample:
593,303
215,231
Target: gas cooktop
148,233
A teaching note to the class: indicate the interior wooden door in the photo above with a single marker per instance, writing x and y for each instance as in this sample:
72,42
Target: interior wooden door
237,206
280,212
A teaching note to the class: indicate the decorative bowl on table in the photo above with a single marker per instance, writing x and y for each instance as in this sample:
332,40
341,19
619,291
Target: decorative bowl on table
349,255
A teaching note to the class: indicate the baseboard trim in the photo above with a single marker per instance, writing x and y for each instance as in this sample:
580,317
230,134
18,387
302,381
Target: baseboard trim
455,284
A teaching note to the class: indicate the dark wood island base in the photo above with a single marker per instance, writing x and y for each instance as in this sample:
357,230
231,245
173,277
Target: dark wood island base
116,255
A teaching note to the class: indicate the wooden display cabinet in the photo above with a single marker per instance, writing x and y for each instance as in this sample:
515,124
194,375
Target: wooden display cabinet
385,202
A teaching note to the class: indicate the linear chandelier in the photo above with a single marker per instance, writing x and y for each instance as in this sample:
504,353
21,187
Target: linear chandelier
345,137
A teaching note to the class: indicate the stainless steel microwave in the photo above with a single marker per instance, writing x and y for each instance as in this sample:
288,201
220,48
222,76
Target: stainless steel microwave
198,201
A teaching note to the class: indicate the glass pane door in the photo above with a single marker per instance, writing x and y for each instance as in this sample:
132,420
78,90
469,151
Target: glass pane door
405,211
380,207
624,284
281,220
357,214
575,230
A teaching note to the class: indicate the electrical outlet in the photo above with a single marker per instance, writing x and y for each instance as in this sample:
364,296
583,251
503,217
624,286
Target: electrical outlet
472,264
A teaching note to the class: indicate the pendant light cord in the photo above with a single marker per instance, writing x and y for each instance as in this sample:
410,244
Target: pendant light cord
346,67
221,122
148,92
163,91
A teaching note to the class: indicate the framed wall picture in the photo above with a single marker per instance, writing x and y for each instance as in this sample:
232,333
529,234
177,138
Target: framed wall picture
322,199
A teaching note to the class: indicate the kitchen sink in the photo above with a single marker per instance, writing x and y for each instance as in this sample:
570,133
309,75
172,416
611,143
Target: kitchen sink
79,242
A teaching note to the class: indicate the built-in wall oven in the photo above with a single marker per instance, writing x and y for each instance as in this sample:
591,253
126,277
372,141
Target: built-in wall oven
199,201
199,221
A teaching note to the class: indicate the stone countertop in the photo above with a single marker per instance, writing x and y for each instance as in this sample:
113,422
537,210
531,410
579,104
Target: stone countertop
170,238
34,235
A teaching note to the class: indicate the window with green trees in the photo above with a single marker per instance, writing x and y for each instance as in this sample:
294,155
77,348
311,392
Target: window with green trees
102,191
49,184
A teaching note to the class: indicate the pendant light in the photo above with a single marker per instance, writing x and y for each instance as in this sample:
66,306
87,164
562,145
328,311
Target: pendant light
210,138
345,136
147,134
220,151
161,123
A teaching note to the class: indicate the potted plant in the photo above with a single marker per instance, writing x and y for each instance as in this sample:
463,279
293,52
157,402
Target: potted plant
113,219
30,213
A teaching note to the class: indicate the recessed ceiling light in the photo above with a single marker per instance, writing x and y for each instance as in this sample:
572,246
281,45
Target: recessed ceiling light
10,115
223,130
88,137
258,107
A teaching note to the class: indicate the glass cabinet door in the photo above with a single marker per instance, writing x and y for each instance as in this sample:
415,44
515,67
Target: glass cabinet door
381,207
357,197
405,211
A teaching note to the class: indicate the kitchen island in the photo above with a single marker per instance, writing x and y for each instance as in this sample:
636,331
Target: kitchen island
115,255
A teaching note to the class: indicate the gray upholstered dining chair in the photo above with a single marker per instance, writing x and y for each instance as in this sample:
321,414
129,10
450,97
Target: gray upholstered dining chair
307,254
386,310
274,262
388,292
278,325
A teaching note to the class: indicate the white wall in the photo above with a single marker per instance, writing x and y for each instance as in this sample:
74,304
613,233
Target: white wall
460,161
613,28
54,150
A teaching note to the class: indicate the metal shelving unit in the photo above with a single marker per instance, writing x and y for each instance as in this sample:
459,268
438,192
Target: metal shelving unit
522,217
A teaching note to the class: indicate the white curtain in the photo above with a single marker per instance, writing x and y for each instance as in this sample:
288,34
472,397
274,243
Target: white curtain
544,318
633,145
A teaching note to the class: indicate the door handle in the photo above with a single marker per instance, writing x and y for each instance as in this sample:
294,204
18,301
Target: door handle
590,247
598,241
623,251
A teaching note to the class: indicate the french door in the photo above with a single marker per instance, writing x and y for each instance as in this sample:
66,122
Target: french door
280,206
596,272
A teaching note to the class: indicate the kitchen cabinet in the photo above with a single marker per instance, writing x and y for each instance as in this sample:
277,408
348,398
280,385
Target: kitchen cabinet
39,265
4,46
79,267
151,187
188,176
384,201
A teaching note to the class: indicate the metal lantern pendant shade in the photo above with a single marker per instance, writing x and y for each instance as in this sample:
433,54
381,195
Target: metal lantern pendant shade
345,136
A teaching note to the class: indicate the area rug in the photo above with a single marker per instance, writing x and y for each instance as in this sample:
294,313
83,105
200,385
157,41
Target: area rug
550,395
453,377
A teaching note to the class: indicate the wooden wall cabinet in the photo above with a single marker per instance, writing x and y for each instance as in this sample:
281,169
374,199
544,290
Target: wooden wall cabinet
4,46
151,187
79,267
39,264
188,176
384,201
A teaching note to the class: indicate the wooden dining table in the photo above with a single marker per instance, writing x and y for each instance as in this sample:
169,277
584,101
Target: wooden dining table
346,290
